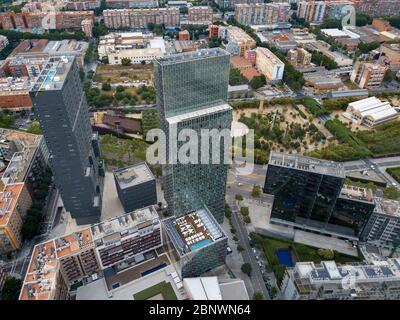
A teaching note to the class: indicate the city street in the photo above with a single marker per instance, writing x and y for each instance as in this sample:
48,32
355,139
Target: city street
248,255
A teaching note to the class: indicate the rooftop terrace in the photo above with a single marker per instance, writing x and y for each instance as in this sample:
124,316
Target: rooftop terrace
53,74
357,193
307,164
387,206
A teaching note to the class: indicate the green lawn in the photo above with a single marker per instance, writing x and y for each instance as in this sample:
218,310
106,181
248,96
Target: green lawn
164,288
304,253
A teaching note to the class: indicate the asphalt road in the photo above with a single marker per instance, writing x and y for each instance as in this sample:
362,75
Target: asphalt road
248,255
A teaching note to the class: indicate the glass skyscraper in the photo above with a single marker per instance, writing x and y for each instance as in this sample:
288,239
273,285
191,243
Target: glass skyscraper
310,194
191,93
60,105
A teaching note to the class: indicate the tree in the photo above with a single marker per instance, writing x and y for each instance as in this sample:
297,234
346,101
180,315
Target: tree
274,292
326,254
106,87
257,82
256,192
236,78
105,60
240,248
35,128
12,287
391,193
244,211
246,268
126,62
246,219
238,197
258,296
388,76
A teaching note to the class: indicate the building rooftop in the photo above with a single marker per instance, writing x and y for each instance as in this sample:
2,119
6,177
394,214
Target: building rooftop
30,46
387,206
124,224
331,273
8,200
307,164
66,47
74,242
372,108
267,53
193,231
133,175
198,113
53,74
13,84
203,288
41,277
191,56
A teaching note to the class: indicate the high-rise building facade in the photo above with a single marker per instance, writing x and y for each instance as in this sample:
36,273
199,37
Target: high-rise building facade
191,94
317,11
60,105
309,194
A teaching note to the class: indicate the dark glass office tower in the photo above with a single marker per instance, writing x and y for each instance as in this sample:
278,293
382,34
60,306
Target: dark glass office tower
191,93
309,194
60,105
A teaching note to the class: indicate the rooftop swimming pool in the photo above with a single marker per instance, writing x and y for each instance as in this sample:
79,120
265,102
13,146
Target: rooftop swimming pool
200,244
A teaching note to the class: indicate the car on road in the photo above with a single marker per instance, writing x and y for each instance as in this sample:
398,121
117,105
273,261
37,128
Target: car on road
394,184
229,250
240,184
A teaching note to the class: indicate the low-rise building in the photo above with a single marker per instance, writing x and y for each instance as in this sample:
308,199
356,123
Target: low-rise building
299,56
378,280
14,93
136,186
341,59
103,250
381,25
368,75
81,4
370,112
269,64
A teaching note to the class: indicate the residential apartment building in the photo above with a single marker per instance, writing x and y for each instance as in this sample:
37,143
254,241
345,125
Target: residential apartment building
269,64
42,20
230,4
14,93
126,4
200,14
140,18
60,105
238,40
136,186
195,193
87,27
318,11
262,13
114,244
310,194
15,201
378,280
299,56
368,75
378,8
80,5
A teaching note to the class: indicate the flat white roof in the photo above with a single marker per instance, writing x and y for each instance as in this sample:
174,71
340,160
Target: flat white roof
373,108
203,288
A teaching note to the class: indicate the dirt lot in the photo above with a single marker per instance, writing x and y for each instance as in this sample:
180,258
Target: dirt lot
118,73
